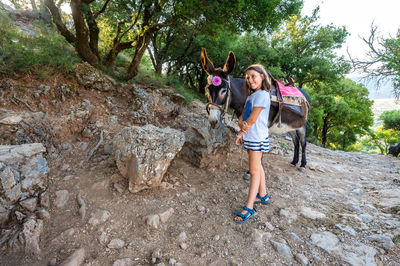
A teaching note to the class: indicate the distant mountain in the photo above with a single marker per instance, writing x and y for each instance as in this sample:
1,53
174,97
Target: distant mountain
385,91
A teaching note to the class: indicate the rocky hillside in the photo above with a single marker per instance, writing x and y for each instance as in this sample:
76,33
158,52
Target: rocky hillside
69,199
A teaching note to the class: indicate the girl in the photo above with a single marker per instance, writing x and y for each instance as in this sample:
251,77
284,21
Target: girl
254,135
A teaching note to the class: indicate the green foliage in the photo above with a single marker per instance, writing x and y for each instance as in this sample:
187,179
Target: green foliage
147,76
391,119
340,112
28,50
378,141
305,50
391,58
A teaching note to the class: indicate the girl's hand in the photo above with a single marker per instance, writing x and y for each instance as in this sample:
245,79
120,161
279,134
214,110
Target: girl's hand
245,127
239,139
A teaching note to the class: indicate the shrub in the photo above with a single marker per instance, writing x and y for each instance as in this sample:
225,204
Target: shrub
33,50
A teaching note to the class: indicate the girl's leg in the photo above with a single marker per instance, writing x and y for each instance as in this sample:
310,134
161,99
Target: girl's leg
262,189
255,176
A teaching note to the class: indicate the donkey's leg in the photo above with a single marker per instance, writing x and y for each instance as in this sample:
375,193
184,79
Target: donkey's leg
295,140
303,141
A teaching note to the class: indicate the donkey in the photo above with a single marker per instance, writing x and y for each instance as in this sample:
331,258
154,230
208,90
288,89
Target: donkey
231,92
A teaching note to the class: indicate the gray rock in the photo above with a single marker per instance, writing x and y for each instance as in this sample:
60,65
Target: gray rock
382,241
103,238
75,259
92,78
31,233
164,216
182,237
11,120
301,259
116,243
311,214
347,229
153,220
43,214
366,218
99,217
123,262
107,149
45,199
7,179
183,246
61,198
282,249
29,204
325,240
358,254
143,154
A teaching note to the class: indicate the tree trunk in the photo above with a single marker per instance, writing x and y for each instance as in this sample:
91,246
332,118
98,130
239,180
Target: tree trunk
55,12
110,58
82,46
141,46
34,8
325,130
93,33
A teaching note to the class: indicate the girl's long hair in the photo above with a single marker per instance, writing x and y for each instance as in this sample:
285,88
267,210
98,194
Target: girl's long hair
266,83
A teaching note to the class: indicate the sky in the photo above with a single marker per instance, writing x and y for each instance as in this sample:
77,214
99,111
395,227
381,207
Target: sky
357,16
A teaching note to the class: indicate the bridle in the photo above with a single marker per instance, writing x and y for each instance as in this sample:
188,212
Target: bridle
224,107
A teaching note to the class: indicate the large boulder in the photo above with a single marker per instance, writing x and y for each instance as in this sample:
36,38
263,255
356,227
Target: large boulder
92,78
143,154
23,177
205,147
152,105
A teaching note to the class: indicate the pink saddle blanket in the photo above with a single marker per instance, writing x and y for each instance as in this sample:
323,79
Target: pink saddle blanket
289,91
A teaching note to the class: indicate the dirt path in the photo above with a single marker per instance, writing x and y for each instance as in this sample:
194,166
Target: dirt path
343,209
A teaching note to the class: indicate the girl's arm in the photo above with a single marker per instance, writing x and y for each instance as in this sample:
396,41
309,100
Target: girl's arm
252,118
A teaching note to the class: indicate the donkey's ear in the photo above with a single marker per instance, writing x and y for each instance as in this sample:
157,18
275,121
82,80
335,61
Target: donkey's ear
206,63
230,63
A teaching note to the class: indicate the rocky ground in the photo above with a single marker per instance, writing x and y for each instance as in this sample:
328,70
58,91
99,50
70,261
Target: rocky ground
344,209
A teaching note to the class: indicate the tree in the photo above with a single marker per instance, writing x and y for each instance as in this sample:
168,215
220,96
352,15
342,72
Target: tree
340,112
391,119
391,122
383,59
306,51
134,23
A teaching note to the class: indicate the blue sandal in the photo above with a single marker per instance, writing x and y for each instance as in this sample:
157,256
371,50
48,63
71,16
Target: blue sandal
263,200
247,216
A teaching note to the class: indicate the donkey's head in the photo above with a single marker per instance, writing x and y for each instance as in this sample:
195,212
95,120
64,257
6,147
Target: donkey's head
219,87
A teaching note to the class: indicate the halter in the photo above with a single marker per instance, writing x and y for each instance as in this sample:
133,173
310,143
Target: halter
224,107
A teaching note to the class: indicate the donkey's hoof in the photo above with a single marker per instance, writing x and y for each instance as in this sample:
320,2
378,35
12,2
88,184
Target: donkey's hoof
293,164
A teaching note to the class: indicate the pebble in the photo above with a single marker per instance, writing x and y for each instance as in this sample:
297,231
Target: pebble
29,204
116,243
43,214
300,258
153,221
164,217
182,237
311,213
61,198
123,262
201,208
75,259
283,249
183,246
216,238
382,241
53,262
